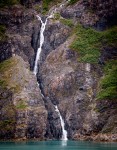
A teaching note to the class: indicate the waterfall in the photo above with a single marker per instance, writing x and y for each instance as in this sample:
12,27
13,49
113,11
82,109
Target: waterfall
43,25
64,132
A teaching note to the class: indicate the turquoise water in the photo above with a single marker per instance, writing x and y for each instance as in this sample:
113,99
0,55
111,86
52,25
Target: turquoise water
57,145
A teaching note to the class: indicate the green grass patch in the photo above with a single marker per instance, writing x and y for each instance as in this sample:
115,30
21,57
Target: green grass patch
67,22
108,84
89,42
21,105
3,84
7,73
37,7
57,16
7,125
47,4
7,65
71,2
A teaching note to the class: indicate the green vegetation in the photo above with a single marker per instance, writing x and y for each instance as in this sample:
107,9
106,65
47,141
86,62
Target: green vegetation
3,84
37,7
89,42
49,3
8,2
45,4
67,22
7,65
6,74
109,37
6,123
108,83
73,1
21,104
2,33
57,16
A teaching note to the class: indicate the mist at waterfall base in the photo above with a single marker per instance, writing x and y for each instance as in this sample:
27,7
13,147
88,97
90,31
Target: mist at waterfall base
57,145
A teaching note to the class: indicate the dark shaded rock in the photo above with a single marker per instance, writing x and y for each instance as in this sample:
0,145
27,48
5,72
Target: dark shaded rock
5,51
29,3
108,53
98,14
74,11
107,12
21,26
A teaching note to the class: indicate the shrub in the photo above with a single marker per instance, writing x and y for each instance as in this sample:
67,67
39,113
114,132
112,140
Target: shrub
89,42
73,1
21,104
67,22
108,84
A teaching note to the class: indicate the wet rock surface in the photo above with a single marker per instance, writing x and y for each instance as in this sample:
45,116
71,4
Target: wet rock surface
5,51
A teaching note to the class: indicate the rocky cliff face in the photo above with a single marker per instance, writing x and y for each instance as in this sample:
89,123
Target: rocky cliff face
73,87
63,81
99,14
23,114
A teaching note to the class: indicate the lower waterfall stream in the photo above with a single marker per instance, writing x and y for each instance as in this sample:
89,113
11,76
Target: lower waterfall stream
43,26
64,132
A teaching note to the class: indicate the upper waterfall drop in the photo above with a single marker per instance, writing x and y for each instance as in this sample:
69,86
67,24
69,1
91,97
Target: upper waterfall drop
64,135
43,25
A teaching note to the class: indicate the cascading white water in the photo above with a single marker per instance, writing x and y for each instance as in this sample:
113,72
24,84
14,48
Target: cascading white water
43,25
64,132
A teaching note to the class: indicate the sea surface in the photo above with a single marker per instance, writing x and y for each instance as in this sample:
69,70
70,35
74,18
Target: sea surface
57,145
